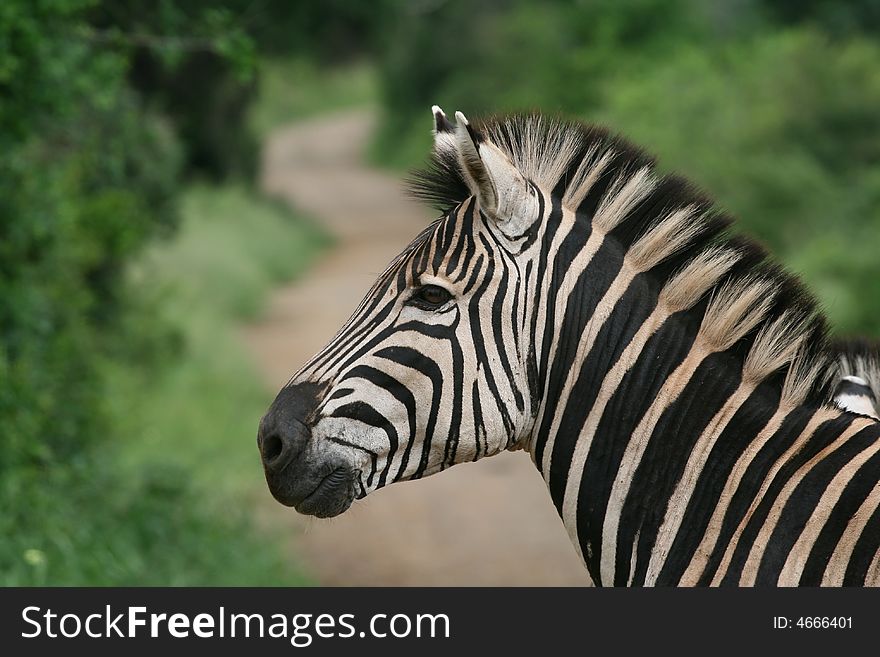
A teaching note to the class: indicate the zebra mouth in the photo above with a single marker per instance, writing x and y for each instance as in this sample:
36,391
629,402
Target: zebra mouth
332,496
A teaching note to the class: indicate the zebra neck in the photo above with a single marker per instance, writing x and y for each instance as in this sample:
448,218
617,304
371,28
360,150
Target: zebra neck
609,358
641,431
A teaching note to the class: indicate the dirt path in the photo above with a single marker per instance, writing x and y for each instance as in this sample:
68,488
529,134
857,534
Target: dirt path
487,523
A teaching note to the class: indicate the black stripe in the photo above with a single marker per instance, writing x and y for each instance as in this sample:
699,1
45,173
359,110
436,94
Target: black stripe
663,462
824,435
442,242
790,428
457,393
531,356
742,429
855,389
418,361
479,424
515,309
854,494
482,356
418,262
662,353
539,368
475,273
865,551
435,331
464,239
498,323
338,393
802,504
470,245
401,393
589,287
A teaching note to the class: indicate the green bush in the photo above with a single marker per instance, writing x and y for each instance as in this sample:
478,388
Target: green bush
201,63
193,62
162,496
783,130
232,249
91,358
85,524
86,179
514,55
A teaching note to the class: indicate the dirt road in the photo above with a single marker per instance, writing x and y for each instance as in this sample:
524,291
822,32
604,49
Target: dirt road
487,523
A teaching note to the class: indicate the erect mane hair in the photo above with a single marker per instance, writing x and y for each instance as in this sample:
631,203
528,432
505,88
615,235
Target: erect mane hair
667,227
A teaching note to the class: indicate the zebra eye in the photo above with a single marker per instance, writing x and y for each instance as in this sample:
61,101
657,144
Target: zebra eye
431,297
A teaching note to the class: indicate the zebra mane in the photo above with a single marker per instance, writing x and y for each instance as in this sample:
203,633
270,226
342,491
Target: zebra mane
670,229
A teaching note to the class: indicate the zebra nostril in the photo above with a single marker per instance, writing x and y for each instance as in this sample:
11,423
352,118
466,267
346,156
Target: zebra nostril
272,448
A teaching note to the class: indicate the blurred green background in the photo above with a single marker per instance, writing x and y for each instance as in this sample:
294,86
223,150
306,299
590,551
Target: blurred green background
134,242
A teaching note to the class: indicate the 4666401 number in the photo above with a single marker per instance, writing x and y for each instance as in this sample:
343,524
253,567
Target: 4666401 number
813,622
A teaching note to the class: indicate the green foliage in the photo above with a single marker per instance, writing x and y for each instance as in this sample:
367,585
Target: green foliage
196,63
839,18
84,524
199,63
514,55
86,178
296,88
89,358
326,32
232,249
161,499
783,130
210,264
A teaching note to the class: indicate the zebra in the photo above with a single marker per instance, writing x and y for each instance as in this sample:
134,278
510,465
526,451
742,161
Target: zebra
858,375
673,386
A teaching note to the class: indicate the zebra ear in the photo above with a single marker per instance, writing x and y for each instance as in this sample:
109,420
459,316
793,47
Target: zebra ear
444,135
441,123
502,191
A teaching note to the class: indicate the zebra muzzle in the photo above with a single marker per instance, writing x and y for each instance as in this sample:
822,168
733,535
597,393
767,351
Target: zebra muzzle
297,476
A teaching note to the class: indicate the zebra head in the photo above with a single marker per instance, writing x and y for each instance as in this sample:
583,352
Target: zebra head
432,369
